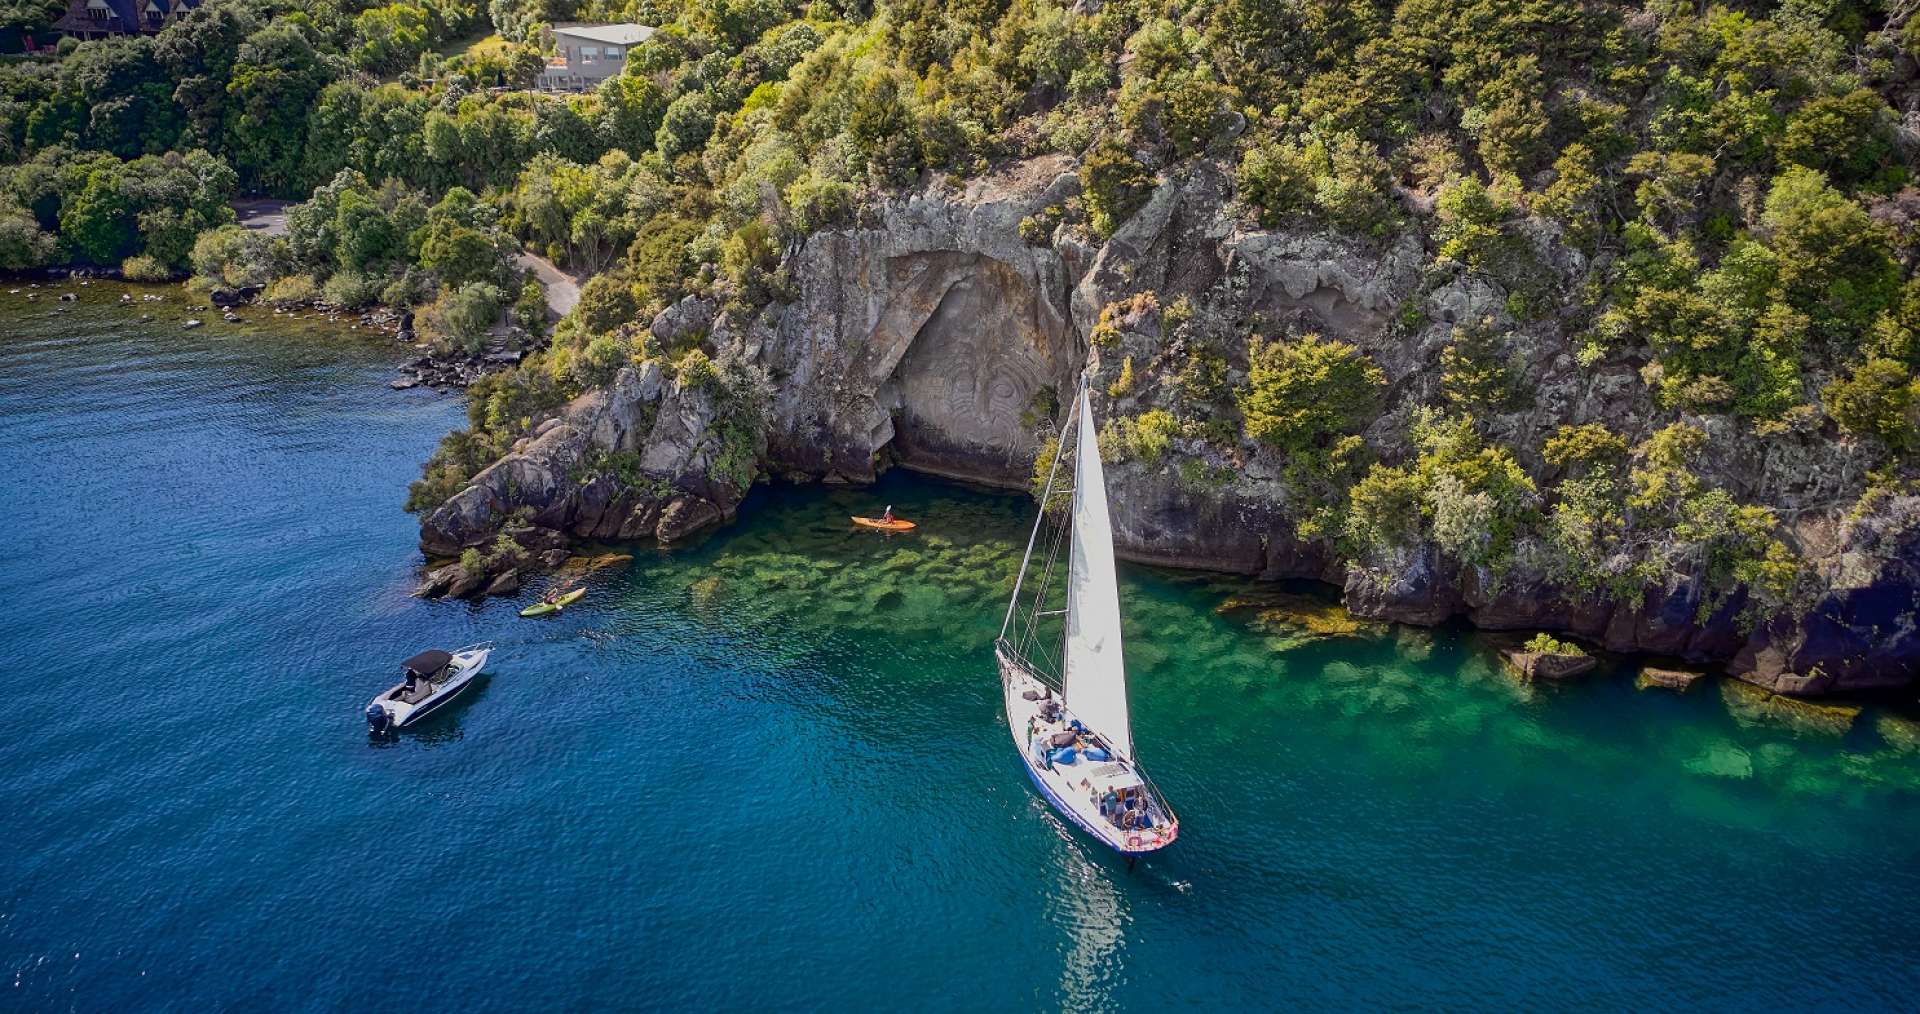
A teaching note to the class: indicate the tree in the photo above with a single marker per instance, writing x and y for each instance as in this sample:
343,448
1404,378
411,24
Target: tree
1115,185
1302,392
1877,400
685,126
606,302
1835,265
277,75
97,224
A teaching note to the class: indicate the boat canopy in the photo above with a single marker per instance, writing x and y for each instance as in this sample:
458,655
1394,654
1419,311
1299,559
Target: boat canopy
1111,776
427,662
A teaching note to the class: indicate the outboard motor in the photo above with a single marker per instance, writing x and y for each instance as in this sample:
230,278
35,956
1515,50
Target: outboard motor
378,720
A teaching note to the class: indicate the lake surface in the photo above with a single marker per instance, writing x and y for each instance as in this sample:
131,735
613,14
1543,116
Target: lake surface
769,770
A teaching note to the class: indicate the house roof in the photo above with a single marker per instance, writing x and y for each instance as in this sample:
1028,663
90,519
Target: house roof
614,35
129,15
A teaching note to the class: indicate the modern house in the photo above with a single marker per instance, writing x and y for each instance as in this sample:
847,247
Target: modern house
585,55
97,19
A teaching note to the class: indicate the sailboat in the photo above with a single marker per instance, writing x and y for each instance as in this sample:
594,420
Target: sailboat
1070,721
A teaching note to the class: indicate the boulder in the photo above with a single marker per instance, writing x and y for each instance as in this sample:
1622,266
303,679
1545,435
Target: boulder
436,581
466,583
685,515
505,583
1670,679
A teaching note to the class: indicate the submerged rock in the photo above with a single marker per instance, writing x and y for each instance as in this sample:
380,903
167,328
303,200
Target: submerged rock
1296,617
1755,705
1670,679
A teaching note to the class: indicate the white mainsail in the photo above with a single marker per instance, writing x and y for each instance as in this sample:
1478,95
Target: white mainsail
1096,676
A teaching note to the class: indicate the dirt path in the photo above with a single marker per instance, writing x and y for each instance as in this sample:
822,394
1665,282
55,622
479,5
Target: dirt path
262,215
563,292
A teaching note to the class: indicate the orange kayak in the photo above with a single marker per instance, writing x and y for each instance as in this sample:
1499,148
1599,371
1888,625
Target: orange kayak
896,525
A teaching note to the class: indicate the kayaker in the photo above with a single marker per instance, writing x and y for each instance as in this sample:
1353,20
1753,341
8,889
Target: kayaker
552,597
887,515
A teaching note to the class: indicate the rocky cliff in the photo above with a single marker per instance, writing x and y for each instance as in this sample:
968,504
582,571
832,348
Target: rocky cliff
939,334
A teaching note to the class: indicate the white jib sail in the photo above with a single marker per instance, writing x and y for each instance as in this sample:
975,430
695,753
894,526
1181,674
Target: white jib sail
1096,675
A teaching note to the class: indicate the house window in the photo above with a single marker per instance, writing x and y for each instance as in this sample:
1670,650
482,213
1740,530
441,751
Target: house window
98,10
614,54
589,54
154,14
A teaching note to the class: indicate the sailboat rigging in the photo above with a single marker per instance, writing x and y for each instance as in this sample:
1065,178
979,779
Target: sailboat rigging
1071,722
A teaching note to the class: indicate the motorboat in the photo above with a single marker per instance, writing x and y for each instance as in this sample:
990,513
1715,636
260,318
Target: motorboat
1069,716
432,679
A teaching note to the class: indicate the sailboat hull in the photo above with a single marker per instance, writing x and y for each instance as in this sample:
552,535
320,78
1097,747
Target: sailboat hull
1074,789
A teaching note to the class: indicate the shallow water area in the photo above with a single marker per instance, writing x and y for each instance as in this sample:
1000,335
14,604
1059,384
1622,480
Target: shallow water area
768,769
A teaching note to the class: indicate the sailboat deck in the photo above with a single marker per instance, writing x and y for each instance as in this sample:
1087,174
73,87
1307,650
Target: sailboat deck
1076,789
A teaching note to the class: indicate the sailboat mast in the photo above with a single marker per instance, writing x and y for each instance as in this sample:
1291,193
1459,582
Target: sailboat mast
1046,494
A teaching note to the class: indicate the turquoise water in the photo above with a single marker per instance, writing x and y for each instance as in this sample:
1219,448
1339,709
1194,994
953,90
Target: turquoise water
769,770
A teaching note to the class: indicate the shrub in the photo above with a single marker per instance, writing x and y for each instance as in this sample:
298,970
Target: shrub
1878,399
142,268
1303,391
352,290
1146,437
293,290
1341,177
1583,448
696,372
1473,372
465,315
1122,386
606,302
530,307
1547,644
1468,220
233,257
1116,183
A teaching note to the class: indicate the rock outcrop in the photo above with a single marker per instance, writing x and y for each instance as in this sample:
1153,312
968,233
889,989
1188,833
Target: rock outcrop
939,335
1542,665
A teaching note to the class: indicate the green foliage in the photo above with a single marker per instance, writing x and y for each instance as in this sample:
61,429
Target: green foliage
1584,449
1145,438
1468,221
696,372
606,302
145,269
1475,372
530,307
1303,392
1116,185
1878,399
463,316
1834,262
234,258
1547,644
1341,178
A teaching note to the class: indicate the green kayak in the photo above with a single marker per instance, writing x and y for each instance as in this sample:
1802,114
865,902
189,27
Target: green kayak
544,607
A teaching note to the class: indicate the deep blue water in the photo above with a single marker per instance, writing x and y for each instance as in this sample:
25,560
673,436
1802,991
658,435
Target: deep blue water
768,770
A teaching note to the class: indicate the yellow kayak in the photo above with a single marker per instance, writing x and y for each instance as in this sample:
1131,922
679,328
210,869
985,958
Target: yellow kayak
542,608
896,525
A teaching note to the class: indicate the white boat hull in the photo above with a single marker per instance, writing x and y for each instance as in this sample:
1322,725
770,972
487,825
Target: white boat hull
1071,788
467,664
